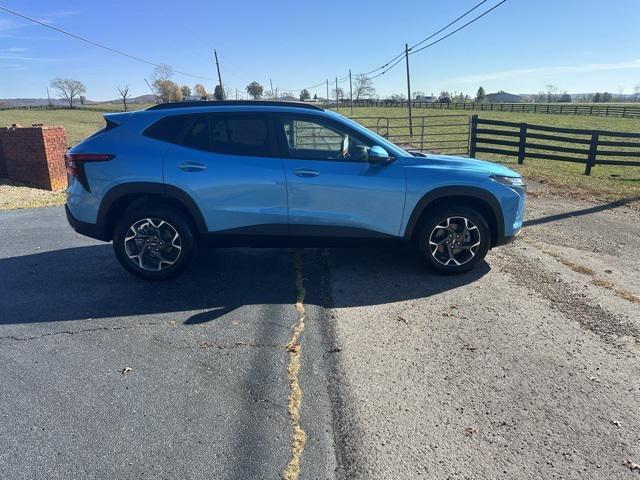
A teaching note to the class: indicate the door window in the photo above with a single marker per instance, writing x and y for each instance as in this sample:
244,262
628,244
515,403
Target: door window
314,139
230,134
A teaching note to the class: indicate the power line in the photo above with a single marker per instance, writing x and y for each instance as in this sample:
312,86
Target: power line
459,28
447,26
99,45
401,54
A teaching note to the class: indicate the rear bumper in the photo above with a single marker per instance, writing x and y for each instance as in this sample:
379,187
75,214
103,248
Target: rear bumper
87,229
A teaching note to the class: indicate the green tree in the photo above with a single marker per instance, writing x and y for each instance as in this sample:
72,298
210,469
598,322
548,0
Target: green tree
607,97
255,90
480,95
218,93
565,97
598,97
304,94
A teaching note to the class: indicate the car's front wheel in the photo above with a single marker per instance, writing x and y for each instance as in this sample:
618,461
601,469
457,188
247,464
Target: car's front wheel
454,239
154,242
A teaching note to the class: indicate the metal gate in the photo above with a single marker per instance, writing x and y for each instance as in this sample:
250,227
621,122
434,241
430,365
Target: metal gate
429,133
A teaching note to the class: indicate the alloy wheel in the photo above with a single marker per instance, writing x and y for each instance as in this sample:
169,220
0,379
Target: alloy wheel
153,244
454,241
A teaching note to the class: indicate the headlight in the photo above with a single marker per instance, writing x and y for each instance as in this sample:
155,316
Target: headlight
509,181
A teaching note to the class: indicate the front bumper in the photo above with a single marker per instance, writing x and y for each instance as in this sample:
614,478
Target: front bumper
91,230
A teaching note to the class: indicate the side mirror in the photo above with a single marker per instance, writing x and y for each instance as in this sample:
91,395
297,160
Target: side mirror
377,154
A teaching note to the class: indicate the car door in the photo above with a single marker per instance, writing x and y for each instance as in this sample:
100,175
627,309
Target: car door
334,194
227,163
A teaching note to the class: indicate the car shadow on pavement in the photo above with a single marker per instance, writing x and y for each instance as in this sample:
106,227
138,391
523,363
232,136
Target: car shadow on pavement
88,283
578,213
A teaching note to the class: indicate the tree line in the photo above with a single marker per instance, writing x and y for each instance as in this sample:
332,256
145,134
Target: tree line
166,90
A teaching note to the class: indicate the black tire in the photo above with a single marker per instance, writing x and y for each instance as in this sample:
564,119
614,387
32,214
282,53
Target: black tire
436,257
174,222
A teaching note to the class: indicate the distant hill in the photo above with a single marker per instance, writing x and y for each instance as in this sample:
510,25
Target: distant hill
34,102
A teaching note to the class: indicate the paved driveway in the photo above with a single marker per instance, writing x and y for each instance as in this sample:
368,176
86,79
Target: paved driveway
525,368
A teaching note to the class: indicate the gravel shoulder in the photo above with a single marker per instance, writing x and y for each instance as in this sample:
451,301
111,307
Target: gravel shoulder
526,369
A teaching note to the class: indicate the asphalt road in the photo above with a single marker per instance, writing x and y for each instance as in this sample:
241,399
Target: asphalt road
527,367
208,391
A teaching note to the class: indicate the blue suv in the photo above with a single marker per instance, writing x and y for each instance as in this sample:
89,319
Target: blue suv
162,181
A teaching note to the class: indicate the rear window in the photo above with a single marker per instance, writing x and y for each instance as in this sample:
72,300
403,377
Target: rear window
168,129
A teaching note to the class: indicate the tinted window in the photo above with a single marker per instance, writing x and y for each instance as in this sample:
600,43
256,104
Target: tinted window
168,129
230,134
314,139
198,135
240,135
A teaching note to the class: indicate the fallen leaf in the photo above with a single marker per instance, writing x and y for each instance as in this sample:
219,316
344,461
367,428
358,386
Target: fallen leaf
470,430
205,345
294,347
403,320
126,370
631,465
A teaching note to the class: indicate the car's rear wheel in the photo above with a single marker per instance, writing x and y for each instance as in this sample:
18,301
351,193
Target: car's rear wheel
154,242
454,239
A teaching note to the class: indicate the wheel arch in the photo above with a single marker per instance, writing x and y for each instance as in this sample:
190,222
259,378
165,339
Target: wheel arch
483,201
128,195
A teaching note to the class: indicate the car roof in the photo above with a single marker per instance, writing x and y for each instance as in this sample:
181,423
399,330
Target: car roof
233,103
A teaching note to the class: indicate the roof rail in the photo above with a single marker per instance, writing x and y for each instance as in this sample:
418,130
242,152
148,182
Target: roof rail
227,103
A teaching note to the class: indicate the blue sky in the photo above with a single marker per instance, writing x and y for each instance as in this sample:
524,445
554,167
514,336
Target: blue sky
578,45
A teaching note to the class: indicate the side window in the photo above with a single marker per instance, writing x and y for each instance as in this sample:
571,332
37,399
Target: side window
198,135
240,134
168,129
314,140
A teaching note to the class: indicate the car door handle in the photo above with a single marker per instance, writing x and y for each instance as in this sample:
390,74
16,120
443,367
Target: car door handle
192,166
305,172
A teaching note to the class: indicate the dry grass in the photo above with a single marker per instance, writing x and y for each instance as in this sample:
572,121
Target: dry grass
15,195
298,436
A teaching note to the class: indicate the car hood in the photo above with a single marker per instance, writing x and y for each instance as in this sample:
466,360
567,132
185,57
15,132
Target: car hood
462,163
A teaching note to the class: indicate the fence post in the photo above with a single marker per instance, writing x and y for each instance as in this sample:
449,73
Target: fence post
422,134
473,132
593,151
522,143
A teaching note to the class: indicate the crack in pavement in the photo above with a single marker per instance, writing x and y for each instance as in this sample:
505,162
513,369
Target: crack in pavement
298,435
84,330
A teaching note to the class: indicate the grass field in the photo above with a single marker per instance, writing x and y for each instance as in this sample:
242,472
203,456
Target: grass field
609,182
605,181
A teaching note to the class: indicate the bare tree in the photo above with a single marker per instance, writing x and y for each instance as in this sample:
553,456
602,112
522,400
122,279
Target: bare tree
338,94
363,87
186,91
163,73
621,89
636,92
124,94
552,92
68,88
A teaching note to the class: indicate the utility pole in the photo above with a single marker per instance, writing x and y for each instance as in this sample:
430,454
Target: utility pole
337,96
236,94
350,92
151,89
273,93
48,97
406,56
219,77
327,91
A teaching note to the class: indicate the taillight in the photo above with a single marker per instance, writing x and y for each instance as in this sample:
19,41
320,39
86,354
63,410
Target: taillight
75,165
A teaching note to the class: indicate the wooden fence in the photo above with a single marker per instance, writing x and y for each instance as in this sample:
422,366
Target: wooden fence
554,143
599,109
